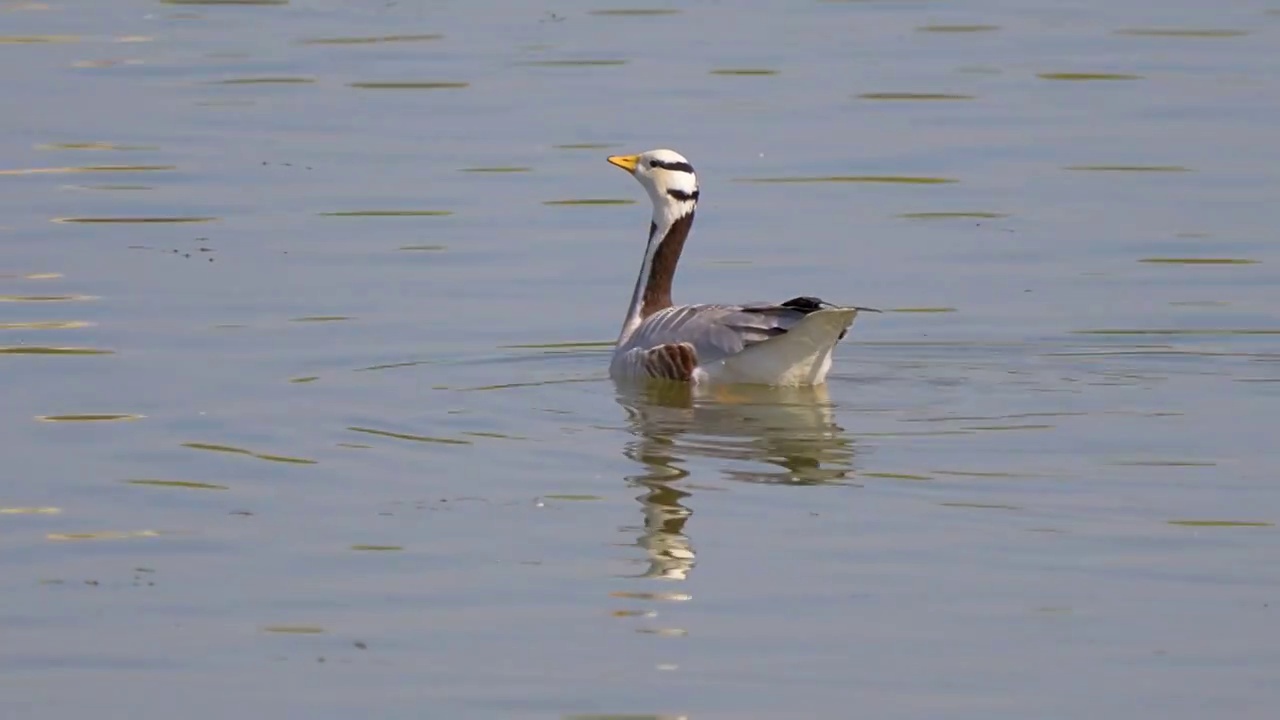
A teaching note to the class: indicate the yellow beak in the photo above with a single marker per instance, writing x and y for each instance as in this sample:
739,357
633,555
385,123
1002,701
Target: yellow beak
626,162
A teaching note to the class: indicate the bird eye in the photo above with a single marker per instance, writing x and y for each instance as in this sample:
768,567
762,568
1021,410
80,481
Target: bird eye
654,163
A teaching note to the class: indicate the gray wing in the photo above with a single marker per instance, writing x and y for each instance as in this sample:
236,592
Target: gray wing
720,331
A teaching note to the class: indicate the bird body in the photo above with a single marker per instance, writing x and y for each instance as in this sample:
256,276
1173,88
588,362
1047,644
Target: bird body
788,343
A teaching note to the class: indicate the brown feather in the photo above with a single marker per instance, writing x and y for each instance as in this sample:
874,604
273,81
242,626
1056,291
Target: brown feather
662,270
675,361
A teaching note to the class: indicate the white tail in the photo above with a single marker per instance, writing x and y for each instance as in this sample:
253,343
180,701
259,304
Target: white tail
802,356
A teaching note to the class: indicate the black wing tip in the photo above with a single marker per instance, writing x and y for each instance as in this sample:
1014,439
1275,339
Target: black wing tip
805,302
808,303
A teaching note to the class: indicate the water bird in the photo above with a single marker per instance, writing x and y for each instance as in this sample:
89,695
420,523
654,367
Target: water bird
784,344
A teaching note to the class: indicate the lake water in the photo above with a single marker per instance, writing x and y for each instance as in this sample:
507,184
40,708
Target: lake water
304,330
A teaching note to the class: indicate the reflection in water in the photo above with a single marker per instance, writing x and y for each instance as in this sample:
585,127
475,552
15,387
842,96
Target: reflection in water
766,435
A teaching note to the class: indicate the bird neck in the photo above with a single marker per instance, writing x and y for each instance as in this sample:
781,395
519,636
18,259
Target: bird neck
668,230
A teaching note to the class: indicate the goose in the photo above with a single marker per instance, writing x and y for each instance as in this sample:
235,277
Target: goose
783,344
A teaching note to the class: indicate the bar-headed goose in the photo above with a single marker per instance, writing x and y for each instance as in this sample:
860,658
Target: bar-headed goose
788,343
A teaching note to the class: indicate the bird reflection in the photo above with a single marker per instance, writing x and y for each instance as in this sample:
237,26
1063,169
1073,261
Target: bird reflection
755,434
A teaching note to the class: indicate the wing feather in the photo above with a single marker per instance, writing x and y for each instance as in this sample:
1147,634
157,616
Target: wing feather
716,332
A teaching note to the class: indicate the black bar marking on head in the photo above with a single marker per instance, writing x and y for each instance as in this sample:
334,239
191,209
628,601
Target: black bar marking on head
673,166
682,195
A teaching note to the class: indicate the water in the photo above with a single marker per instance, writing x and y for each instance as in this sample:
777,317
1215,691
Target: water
303,349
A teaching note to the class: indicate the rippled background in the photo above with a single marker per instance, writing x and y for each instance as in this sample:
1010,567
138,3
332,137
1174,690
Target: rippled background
305,313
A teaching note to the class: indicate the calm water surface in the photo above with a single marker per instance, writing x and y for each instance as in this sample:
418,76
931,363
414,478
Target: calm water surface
304,330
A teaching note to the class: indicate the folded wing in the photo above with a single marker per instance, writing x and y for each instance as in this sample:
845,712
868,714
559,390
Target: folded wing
716,332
